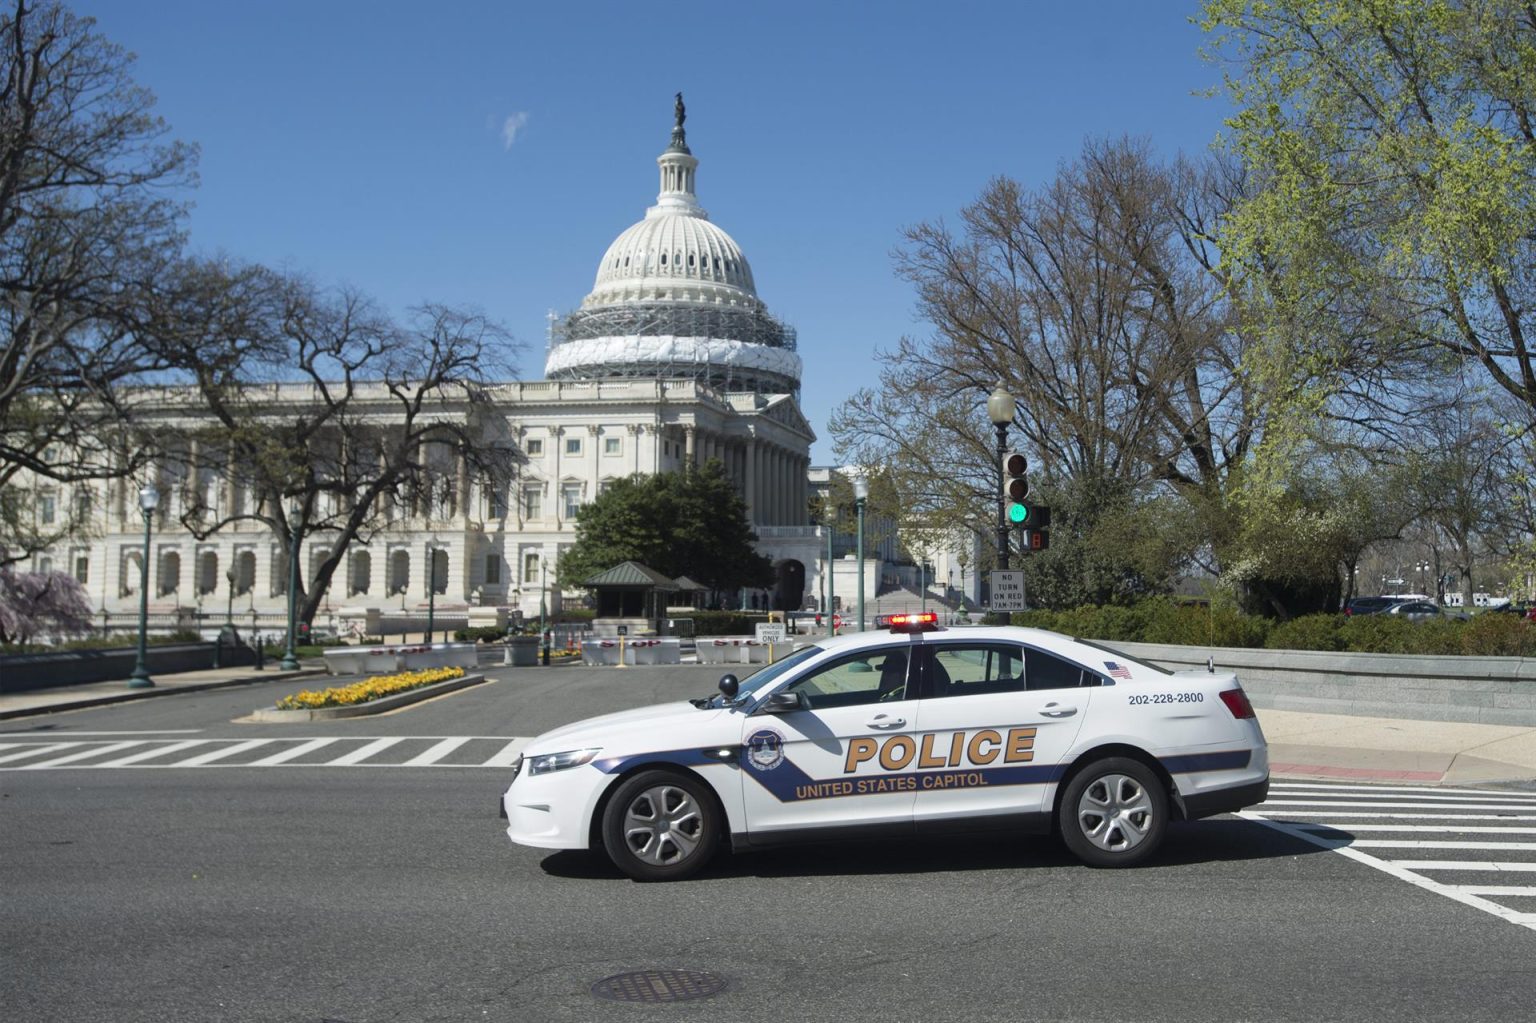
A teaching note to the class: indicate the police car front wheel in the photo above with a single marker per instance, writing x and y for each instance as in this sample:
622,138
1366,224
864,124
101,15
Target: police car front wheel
660,826
1114,813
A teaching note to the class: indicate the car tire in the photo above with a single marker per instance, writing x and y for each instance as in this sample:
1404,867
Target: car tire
1114,813
661,826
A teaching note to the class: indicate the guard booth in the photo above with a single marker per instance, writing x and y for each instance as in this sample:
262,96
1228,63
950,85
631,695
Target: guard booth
632,596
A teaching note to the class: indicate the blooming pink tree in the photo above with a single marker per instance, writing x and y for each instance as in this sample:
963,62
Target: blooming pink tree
41,604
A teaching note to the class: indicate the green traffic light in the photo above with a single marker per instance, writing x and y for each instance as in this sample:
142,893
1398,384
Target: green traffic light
1017,513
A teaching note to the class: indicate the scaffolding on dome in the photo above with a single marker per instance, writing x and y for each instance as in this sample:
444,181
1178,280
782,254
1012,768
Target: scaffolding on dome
675,320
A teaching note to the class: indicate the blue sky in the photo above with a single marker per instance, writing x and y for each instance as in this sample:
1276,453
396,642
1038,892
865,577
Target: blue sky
368,143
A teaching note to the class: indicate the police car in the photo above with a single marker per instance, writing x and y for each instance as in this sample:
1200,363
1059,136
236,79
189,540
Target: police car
914,730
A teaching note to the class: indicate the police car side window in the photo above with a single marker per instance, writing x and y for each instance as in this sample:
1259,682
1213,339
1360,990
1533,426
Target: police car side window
870,676
975,669
1047,671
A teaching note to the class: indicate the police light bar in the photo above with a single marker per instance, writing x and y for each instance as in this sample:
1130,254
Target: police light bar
926,621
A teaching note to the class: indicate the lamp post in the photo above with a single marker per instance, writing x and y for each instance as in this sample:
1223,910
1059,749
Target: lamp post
831,596
543,610
860,495
431,588
1000,411
149,500
290,660
229,611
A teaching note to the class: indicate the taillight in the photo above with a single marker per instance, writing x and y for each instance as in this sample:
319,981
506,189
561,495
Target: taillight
1237,702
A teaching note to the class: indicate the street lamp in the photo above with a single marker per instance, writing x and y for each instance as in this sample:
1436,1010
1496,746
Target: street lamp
431,588
860,495
831,597
1000,411
149,500
290,660
543,608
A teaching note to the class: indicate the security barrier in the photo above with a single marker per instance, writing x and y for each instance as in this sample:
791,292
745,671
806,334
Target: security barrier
740,650
359,660
640,650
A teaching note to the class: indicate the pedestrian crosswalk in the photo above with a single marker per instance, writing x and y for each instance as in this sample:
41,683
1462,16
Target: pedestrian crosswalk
278,751
1474,846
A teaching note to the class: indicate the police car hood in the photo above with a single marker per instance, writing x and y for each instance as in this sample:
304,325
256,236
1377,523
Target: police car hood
623,727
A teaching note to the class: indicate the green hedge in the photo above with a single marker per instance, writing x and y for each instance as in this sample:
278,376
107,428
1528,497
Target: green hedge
724,623
489,633
1162,620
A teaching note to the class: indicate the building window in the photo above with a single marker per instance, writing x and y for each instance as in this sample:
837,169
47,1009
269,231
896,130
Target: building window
611,446
536,448
573,445
44,565
46,509
530,568
493,569
495,502
82,569
570,498
533,502
82,506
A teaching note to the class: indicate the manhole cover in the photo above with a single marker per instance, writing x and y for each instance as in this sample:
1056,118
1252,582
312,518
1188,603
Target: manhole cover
658,986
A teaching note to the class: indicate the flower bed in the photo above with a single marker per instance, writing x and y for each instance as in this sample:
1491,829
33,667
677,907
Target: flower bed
368,689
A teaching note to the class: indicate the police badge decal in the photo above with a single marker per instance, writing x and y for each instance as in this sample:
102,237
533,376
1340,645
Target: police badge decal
765,749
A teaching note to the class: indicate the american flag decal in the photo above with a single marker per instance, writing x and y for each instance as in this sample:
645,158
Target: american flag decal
1118,670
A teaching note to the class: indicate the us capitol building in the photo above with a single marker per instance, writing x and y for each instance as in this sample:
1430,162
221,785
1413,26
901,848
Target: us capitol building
670,361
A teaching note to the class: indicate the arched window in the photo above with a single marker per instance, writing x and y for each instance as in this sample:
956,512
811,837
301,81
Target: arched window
362,573
245,572
170,573
207,573
399,571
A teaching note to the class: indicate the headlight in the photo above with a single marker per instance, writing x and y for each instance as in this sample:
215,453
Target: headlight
548,762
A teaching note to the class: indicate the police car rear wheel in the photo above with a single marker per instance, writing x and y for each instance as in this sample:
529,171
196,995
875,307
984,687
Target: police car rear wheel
660,826
1114,813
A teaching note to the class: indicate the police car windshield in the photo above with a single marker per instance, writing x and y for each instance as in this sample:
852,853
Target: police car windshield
765,677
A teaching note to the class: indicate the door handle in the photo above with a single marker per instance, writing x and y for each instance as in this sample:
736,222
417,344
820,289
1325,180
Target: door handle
883,722
1058,712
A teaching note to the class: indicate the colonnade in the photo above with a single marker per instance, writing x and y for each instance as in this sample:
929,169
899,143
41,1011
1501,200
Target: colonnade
773,479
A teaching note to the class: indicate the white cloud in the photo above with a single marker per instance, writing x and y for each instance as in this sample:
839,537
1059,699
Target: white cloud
511,126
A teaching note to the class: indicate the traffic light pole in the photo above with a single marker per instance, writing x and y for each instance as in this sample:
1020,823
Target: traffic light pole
1002,500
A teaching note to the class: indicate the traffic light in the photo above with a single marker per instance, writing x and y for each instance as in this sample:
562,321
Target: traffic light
1015,487
1037,535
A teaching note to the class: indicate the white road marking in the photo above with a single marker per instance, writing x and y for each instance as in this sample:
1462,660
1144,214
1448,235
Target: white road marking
1494,889
359,755
1517,867
111,747
1403,806
1416,816
1428,790
508,755
220,754
436,753
38,750
146,731
1403,871
1387,843
150,754
291,753
1351,826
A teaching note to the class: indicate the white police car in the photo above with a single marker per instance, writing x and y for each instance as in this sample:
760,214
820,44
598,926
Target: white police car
913,731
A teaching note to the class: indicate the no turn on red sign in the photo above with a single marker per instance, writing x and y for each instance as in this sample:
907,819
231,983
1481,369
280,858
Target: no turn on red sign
1008,590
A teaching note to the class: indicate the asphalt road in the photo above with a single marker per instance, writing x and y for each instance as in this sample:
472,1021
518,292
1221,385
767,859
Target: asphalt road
304,892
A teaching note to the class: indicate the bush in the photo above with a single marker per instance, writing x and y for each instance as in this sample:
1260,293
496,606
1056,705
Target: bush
1499,635
725,623
488,633
1309,632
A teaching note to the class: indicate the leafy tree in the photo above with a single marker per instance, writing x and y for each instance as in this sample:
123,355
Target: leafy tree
1392,232
688,523
41,604
88,220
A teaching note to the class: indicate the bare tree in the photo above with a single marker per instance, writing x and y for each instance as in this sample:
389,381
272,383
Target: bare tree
315,415
88,219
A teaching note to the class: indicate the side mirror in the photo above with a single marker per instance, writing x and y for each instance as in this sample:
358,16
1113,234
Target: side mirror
783,703
729,686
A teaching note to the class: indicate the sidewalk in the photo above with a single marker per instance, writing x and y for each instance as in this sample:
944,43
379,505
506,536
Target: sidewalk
98,694
1338,747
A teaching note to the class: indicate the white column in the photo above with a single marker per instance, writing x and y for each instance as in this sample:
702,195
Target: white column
750,479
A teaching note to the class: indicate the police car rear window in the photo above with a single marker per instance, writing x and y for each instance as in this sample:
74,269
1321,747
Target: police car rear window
1121,655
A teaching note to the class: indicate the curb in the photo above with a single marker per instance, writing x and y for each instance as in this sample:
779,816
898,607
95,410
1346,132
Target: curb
130,695
271,715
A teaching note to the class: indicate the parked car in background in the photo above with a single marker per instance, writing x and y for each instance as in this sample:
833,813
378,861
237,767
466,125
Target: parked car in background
1424,611
1368,605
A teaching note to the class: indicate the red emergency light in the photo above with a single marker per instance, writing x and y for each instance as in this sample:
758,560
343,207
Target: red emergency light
926,621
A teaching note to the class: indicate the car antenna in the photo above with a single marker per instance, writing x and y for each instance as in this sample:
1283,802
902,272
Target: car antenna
1210,663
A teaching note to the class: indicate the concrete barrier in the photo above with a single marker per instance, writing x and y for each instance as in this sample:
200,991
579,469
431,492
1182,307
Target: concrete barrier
742,649
605,651
378,660
1482,690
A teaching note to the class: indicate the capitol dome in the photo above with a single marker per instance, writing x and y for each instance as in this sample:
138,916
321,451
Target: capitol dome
674,297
